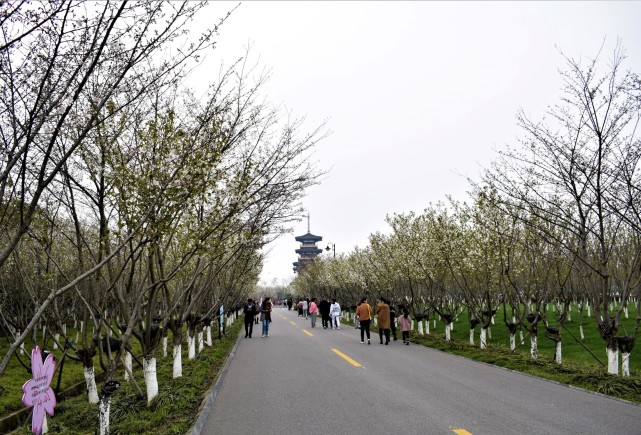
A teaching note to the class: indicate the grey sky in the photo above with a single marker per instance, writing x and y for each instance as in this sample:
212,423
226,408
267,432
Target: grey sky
417,94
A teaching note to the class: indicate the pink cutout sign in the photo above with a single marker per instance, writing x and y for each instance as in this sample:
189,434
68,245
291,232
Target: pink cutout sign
37,392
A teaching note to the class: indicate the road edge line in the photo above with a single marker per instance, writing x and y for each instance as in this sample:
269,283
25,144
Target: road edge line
209,402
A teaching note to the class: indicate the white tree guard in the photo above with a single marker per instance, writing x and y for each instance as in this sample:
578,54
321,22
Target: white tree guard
178,361
613,361
151,380
483,338
128,364
90,380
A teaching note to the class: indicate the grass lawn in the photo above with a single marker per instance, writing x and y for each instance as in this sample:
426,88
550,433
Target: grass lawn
173,411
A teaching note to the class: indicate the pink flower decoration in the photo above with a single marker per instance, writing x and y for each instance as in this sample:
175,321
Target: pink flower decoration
37,392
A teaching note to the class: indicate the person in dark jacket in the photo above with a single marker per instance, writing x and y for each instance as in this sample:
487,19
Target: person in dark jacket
392,320
250,311
323,306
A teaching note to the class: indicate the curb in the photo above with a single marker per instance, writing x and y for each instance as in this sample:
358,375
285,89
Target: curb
209,403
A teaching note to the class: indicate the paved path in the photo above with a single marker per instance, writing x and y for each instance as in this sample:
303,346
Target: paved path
301,380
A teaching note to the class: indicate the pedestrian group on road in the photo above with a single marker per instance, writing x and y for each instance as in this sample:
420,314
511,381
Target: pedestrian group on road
330,313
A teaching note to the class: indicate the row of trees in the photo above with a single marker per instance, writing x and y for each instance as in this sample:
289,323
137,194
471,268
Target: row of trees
554,220
127,203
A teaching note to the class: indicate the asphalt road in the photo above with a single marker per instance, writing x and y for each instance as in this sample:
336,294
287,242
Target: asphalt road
303,380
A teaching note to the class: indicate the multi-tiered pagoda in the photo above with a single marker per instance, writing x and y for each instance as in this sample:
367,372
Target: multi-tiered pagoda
308,250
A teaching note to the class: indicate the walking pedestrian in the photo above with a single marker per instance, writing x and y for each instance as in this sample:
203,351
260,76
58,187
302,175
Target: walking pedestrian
335,313
305,308
382,319
266,316
323,308
364,314
250,311
300,307
392,321
313,312
405,323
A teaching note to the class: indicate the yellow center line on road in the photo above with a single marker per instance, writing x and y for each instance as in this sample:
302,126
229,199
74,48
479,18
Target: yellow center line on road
293,323
346,358
308,333
461,432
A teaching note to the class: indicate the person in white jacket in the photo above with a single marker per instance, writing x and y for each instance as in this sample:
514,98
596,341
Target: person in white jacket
335,313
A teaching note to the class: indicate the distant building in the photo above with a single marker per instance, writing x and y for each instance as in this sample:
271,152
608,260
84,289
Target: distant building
308,250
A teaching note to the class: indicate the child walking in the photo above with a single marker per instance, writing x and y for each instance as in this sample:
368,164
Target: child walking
405,323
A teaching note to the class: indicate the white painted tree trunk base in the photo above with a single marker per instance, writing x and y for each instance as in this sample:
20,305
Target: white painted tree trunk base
448,328
589,312
489,332
201,342
103,415
178,361
420,328
191,346
151,380
90,380
208,342
558,357
534,347
427,327
581,332
472,337
613,361
483,338
512,341
56,341
128,364
625,364
165,340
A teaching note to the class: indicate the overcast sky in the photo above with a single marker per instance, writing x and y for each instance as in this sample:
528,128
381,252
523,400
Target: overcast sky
418,95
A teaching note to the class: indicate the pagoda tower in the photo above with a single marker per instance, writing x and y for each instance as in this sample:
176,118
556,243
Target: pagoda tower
308,250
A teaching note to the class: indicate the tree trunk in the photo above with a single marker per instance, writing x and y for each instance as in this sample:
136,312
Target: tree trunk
483,338
448,328
164,346
128,364
581,332
472,336
90,380
512,341
103,414
209,342
613,360
178,361
625,364
201,342
191,344
534,348
151,380
420,327
557,355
